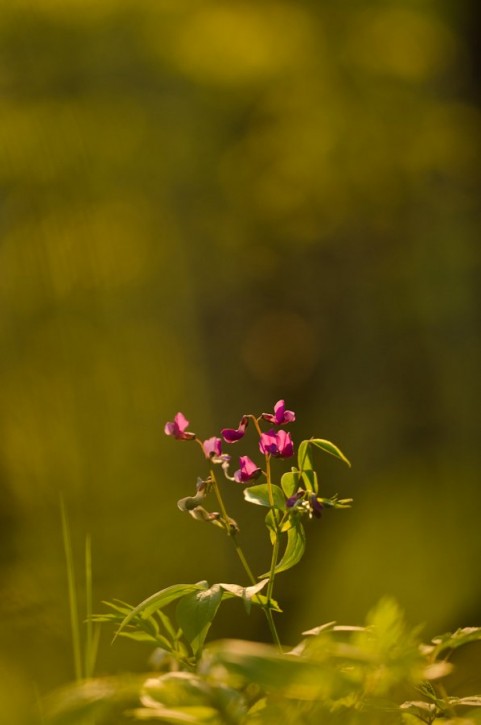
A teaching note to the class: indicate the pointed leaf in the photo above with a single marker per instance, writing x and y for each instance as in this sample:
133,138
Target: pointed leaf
470,701
247,594
296,545
195,613
262,601
304,457
453,640
244,592
254,589
161,599
250,594
260,496
330,448
187,714
309,479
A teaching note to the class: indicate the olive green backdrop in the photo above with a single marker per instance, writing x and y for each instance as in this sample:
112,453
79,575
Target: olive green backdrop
207,206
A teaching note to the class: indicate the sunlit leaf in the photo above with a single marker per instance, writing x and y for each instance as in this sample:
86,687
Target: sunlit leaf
192,694
166,623
436,670
309,479
194,714
195,613
290,482
419,708
456,639
80,703
470,701
330,448
247,594
296,544
304,458
260,495
289,675
244,592
161,599
140,636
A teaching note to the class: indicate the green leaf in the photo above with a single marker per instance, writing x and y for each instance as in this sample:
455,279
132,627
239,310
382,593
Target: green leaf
168,626
262,601
330,448
247,594
254,589
260,496
195,613
296,545
250,594
140,636
161,599
290,482
456,639
309,479
304,458
469,701
286,676
187,714
271,524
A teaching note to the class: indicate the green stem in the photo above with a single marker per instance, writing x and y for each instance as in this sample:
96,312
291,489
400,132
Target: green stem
269,485
272,627
275,549
220,501
243,560
266,608
272,573
444,696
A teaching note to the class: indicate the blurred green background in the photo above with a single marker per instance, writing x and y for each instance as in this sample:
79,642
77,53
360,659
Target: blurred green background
207,206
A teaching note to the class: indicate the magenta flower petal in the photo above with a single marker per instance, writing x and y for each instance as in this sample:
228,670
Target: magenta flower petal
316,506
281,415
268,443
177,428
248,470
278,444
284,444
292,500
212,447
231,435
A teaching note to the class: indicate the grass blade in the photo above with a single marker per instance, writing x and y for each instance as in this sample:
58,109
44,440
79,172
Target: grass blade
72,593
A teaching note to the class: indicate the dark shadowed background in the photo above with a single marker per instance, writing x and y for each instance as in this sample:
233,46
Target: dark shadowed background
207,206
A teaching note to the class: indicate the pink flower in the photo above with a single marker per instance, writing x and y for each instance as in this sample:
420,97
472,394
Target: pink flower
177,428
278,444
231,435
281,415
212,447
248,470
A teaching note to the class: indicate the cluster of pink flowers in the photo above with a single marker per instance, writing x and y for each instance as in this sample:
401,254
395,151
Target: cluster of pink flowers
277,443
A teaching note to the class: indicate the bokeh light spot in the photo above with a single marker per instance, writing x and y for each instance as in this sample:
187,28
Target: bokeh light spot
280,348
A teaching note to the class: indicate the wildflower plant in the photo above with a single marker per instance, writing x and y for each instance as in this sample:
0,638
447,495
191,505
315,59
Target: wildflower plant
288,502
376,674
